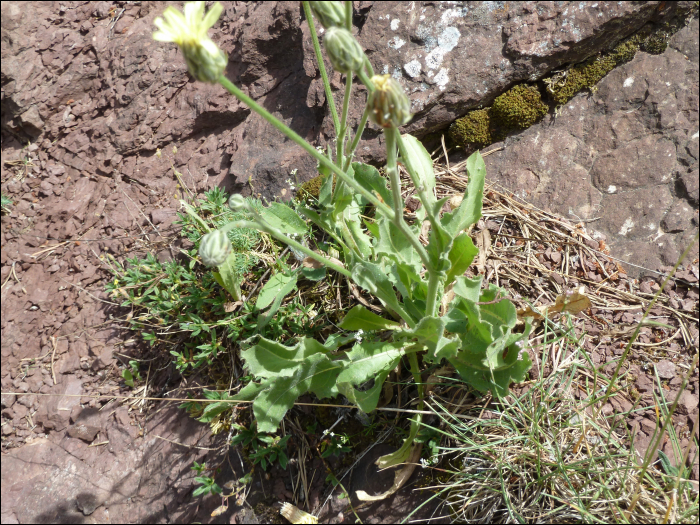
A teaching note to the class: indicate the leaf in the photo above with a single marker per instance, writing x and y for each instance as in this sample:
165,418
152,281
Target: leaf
400,477
370,277
470,210
284,218
227,277
468,289
248,392
277,283
352,215
314,274
370,179
359,318
461,256
393,244
439,245
427,332
417,158
264,319
269,359
368,360
573,302
315,374
212,410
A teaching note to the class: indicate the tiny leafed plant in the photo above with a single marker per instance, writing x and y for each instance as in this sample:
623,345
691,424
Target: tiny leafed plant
433,313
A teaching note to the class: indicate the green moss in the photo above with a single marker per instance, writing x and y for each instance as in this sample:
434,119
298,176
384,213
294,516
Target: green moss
310,189
564,86
518,108
656,43
473,128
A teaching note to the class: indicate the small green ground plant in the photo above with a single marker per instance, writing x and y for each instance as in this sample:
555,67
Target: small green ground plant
382,253
180,305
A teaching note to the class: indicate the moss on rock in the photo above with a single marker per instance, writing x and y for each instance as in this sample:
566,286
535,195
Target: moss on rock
518,108
473,128
310,189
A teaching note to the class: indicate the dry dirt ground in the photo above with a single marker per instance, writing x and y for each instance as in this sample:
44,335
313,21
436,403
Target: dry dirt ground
71,457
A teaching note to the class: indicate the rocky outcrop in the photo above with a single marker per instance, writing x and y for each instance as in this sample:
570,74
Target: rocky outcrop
88,84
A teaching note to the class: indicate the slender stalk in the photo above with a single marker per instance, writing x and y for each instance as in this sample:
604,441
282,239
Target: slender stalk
356,140
262,224
364,78
340,137
392,171
292,135
348,15
321,66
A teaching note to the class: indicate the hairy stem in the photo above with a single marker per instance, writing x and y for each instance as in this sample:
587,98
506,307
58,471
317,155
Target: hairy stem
321,66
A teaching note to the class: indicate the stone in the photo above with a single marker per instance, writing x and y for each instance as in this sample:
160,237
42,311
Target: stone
666,369
85,432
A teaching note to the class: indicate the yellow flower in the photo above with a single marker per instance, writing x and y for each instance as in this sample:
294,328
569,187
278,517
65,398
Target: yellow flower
205,61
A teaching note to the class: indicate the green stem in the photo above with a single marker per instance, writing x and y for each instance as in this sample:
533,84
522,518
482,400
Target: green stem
390,135
292,135
321,66
340,140
356,140
433,287
262,225
364,78
392,171
348,15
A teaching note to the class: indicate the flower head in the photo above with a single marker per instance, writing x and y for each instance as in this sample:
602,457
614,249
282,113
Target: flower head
329,13
205,61
214,248
343,50
389,105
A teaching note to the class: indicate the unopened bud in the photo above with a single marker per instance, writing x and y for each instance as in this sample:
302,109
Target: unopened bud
389,106
205,61
343,50
214,248
329,14
237,203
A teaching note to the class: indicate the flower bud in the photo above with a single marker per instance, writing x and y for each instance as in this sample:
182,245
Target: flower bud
389,106
330,14
214,248
343,50
237,203
205,61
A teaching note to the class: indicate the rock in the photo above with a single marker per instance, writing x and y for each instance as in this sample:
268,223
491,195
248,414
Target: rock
666,369
84,432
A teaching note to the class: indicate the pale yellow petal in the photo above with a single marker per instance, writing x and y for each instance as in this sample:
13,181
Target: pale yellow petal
212,16
194,12
177,23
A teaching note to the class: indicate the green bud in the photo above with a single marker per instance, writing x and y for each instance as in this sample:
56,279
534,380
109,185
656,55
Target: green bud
214,248
343,50
330,14
237,203
205,61
389,105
